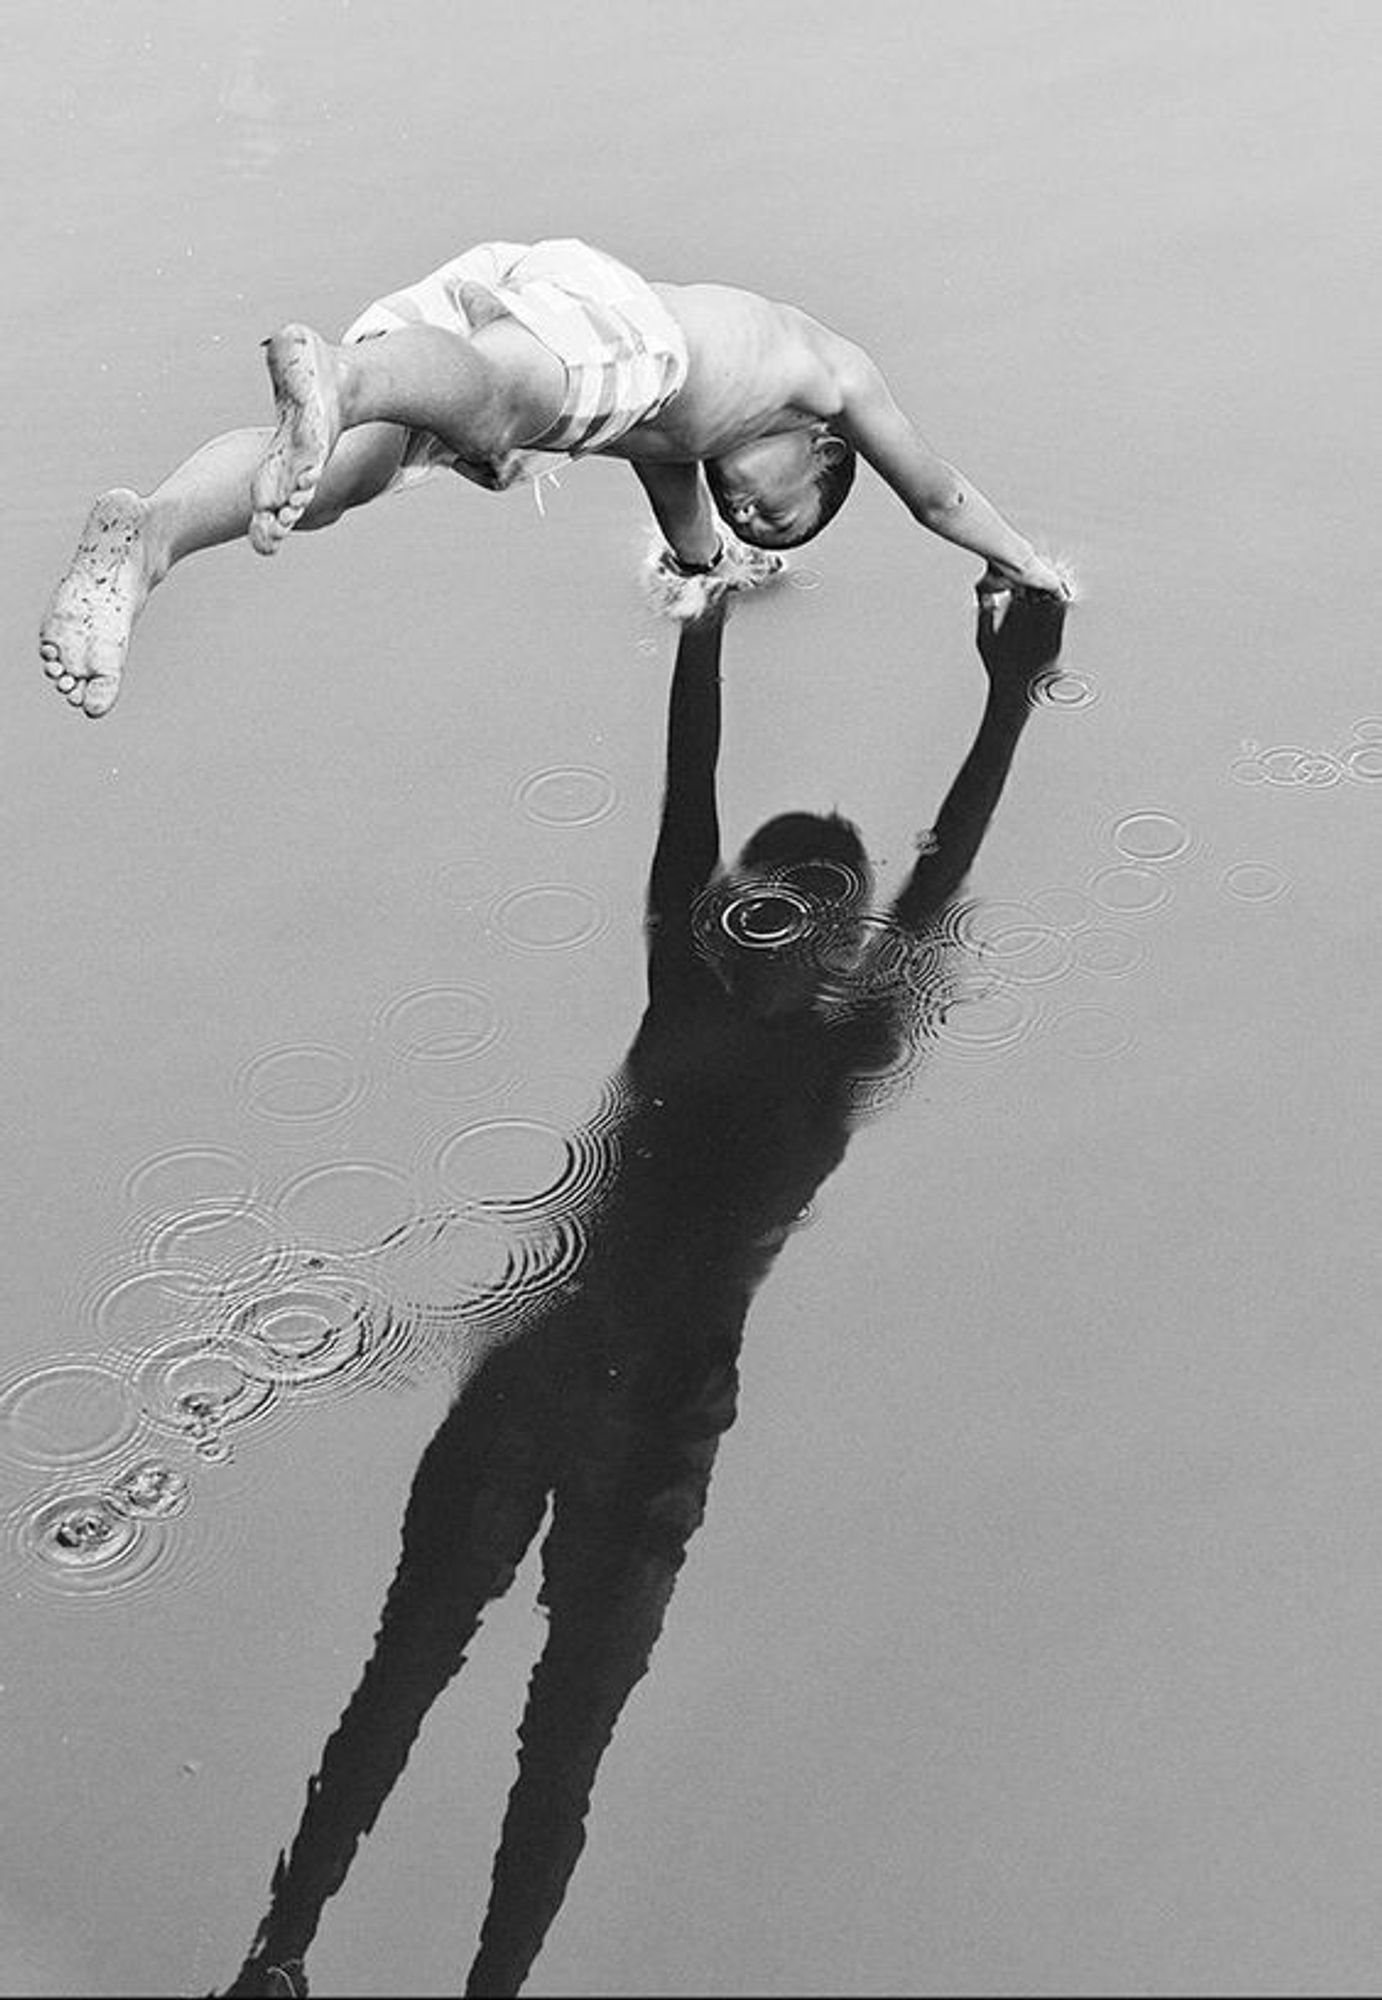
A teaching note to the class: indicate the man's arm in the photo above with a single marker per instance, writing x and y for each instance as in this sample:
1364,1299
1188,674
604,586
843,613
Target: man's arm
936,494
683,509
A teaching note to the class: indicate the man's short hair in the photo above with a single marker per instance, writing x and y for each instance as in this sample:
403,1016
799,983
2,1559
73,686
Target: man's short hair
834,477
833,482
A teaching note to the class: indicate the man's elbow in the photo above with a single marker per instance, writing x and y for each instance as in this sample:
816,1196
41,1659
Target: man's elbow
941,503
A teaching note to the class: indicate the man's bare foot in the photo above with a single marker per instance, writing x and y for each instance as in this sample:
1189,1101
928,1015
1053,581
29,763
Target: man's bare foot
86,629
309,422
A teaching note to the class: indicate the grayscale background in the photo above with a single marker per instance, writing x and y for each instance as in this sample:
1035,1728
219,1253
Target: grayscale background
1031,1643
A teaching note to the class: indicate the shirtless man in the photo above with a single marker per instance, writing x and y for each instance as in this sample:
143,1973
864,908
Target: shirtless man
729,407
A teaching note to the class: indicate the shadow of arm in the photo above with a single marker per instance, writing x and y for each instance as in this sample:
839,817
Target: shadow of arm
1018,641
688,843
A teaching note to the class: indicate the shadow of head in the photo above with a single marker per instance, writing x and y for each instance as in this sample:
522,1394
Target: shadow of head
790,914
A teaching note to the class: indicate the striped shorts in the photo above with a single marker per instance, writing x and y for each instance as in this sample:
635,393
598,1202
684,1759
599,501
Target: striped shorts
624,354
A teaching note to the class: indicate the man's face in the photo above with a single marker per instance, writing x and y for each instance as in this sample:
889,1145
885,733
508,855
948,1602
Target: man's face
766,490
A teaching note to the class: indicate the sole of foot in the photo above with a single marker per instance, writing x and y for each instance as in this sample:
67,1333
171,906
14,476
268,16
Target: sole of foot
85,633
304,396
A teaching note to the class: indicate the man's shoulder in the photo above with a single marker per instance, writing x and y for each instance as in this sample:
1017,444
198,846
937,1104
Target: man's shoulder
735,307
736,332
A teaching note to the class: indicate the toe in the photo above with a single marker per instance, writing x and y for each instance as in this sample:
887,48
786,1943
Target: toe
99,694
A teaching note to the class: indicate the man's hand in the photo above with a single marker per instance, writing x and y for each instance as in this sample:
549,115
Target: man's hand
1035,574
1019,634
687,596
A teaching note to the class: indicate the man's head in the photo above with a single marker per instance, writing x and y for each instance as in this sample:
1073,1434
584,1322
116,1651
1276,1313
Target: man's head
791,921
778,491
822,852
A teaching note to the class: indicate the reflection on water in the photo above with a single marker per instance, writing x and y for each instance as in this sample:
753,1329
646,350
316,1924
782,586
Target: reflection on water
1359,758
775,992
251,116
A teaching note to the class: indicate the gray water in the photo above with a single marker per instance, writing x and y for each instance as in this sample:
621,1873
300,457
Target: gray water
1030,1642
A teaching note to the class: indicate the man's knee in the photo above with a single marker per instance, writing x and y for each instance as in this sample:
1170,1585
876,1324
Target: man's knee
363,465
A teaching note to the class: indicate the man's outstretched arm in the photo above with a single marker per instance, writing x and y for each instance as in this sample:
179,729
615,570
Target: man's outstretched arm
933,490
1017,642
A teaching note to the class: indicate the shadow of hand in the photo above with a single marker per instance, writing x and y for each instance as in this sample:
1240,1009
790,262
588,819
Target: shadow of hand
1019,635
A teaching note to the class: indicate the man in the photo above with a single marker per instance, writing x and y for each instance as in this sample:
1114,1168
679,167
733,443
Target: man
722,401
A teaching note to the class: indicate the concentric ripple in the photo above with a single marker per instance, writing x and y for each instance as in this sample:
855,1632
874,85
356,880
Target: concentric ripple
1151,837
872,1092
980,1017
205,1391
767,919
457,1260
301,1083
345,1204
1288,764
1254,882
77,1543
549,916
1011,939
76,1410
1094,1034
177,1175
91,1541
149,1490
474,1275
567,795
132,1305
1059,689
195,1242
1130,889
1107,952
543,1259
439,1024
331,1330
523,1164
446,1043
1066,910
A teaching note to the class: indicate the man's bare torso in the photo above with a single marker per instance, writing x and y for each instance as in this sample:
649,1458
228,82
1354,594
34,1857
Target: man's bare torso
754,367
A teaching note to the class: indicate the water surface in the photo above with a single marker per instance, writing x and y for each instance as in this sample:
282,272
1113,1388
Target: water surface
1029,1644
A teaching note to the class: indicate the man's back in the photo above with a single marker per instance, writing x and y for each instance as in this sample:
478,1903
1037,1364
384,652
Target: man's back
755,367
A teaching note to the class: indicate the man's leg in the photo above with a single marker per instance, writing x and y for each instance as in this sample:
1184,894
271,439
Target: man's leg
480,396
130,543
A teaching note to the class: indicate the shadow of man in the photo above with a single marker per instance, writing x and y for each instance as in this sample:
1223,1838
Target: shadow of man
778,999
